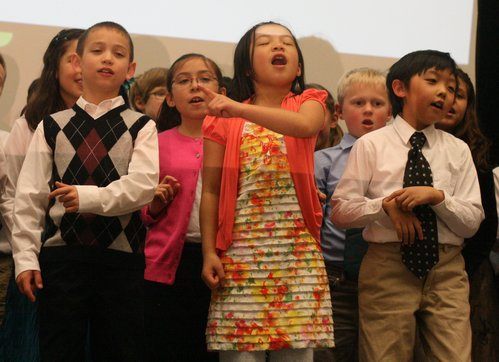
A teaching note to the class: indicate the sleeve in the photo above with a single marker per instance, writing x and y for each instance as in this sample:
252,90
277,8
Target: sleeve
350,206
15,151
462,212
131,191
321,170
215,129
31,203
314,95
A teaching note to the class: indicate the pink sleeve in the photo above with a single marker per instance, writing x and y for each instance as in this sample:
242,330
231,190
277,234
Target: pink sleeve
314,95
215,129
147,218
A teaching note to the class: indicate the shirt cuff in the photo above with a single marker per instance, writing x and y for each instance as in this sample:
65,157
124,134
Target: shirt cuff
88,198
443,208
374,208
26,261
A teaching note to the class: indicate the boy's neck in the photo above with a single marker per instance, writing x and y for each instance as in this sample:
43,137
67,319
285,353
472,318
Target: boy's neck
414,123
98,97
269,96
191,127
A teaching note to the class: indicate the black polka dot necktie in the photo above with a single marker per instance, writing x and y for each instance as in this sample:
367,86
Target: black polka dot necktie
422,255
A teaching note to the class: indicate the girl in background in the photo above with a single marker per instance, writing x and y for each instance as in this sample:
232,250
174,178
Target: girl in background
58,88
148,92
176,299
462,122
331,134
260,214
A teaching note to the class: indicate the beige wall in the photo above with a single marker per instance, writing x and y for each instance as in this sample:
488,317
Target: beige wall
24,60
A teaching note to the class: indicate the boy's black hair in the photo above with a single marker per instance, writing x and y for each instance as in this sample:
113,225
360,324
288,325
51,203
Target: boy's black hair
104,24
416,63
242,83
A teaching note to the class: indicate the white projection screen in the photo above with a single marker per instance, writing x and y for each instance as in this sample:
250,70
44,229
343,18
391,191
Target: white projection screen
335,35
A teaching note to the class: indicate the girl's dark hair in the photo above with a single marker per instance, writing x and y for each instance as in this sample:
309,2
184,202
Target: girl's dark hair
242,82
46,96
414,63
468,129
169,117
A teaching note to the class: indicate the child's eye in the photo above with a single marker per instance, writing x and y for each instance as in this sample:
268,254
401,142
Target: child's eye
262,43
182,81
358,103
431,80
452,90
378,104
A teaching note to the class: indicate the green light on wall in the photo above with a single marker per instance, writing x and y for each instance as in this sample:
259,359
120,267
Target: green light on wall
5,38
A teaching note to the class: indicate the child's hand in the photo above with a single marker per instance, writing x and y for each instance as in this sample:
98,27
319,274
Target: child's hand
213,271
67,195
322,197
220,105
28,282
164,194
406,223
410,197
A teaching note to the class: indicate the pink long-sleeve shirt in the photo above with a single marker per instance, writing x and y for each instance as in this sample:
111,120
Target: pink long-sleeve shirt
181,157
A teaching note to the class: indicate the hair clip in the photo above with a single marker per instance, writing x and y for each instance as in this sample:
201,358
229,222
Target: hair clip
128,83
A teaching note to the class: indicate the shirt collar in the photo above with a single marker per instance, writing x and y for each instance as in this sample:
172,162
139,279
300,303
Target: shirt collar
103,107
347,141
405,131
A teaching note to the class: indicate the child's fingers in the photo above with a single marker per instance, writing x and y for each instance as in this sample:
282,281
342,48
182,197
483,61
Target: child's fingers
59,184
410,233
71,209
59,191
208,92
38,279
398,228
419,229
394,195
168,179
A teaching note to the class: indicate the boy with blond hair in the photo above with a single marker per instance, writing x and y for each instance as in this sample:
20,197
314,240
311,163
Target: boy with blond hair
364,106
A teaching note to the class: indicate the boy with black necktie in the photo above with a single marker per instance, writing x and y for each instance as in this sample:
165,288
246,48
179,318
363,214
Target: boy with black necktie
414,188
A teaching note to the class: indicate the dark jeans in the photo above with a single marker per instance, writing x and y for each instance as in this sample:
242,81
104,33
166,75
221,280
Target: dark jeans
78,296
344,297
176,315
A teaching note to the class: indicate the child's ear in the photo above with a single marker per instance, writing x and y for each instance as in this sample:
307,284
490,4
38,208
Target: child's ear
338,110
139,104
169,100
222,91
298,73
399,88
76,62
131,70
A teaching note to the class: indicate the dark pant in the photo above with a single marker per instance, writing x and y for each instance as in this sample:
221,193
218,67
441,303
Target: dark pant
344,297
176,315
78,296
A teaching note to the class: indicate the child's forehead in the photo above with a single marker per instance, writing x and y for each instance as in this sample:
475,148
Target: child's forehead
445,72
107,35
272,30
366,87
194,64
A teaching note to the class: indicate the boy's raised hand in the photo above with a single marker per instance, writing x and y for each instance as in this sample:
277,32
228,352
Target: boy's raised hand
28,282
410,197
220,105
164,194
406,224
66,195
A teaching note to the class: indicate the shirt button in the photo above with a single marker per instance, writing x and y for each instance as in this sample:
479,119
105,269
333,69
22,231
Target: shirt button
198,155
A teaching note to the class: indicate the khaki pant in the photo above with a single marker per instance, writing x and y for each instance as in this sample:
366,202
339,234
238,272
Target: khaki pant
392,301
5,272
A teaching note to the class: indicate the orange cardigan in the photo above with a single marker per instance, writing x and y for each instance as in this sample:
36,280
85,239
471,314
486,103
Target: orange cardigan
300,152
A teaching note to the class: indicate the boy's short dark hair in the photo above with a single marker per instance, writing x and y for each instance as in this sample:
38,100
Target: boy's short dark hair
416,63
104,24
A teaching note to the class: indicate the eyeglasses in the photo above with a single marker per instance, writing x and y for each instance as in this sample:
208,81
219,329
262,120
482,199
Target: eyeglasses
185,81
159,93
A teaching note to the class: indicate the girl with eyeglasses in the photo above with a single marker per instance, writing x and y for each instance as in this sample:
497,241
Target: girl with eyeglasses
176,298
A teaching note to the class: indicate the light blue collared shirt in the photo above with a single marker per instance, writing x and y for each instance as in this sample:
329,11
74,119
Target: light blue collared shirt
329,166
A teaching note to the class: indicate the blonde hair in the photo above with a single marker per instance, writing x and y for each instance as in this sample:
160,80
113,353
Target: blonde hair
145,83
367,76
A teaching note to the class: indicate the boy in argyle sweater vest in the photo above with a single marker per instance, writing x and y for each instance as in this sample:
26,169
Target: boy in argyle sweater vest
78,238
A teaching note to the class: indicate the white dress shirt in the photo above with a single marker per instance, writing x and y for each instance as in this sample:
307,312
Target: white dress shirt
125,195
376,168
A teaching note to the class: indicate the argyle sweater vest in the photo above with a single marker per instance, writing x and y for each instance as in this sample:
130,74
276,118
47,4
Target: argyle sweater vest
91,152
